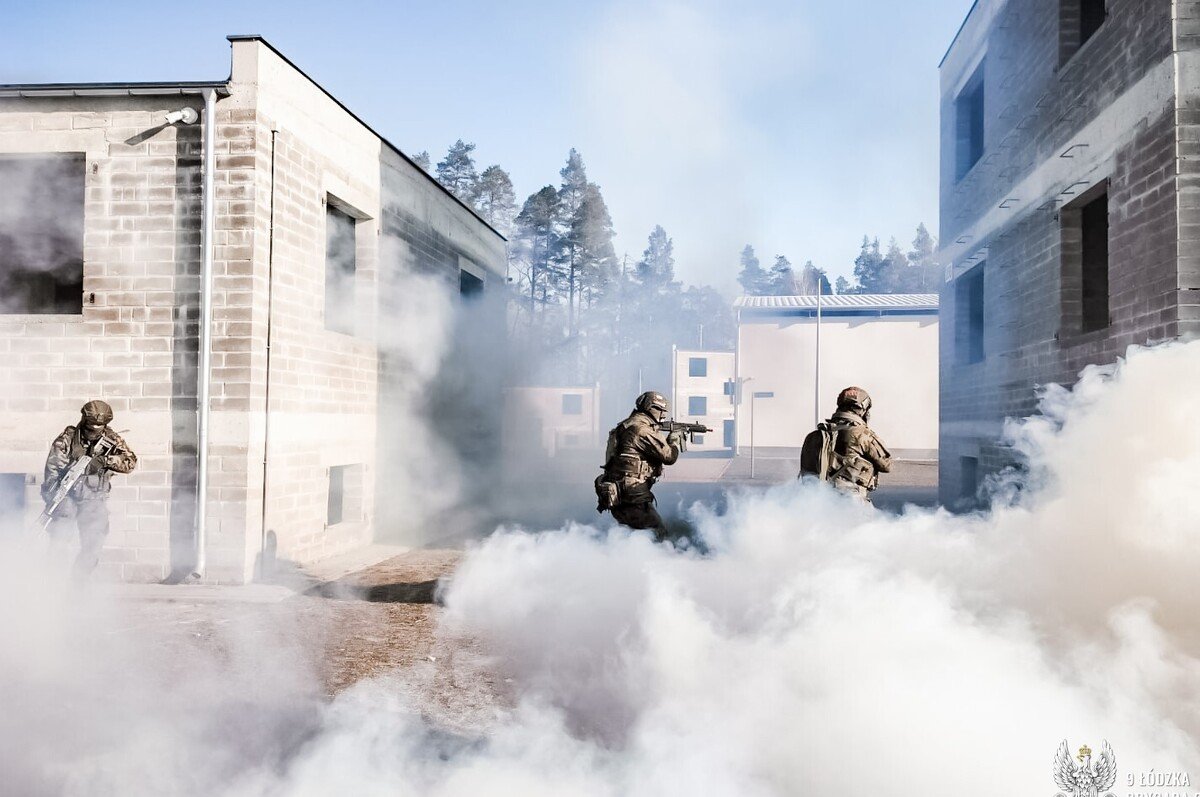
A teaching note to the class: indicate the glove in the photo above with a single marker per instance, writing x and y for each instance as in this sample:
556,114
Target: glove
678,440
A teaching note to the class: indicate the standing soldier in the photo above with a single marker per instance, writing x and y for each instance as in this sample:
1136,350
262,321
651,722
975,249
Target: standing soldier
637,451
86,503
844,450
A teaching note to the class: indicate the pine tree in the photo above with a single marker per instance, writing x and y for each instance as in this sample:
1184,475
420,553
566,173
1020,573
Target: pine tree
538,247
842,285
812,280
753,279
894,270
656,269
495,200
922,260
868,268
783,278
571,199
457,171
422,159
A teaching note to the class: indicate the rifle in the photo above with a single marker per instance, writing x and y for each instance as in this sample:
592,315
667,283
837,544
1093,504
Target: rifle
690,429
71,477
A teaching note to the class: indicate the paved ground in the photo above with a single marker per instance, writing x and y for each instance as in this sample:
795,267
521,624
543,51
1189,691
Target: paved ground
374,622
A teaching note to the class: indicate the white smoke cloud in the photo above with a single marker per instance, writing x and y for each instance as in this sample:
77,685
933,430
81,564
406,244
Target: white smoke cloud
822,647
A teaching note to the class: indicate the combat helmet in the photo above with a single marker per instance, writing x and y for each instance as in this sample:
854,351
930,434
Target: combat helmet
856,400
653,404
96,413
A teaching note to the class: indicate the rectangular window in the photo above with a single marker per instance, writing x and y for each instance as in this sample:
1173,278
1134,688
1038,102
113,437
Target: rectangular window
336,508
697,406
41,233
698,439
340,270
968,122
968,316
728,434
969,472
12,501
469,285
572,404
1092,14
1093,218
729,387
697,366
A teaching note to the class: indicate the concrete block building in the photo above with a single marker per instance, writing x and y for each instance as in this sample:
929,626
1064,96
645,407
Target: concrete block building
1070,204
887,344
215,260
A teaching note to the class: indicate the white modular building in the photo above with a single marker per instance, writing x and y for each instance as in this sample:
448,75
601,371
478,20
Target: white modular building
795,353
702,392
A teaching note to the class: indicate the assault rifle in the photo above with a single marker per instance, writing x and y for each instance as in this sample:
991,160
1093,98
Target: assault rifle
690,429
101,448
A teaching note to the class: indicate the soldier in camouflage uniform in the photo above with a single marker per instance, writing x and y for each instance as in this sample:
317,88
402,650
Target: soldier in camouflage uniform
86,508
637,452
860,454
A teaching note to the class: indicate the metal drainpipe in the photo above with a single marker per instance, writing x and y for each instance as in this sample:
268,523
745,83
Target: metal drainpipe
204,376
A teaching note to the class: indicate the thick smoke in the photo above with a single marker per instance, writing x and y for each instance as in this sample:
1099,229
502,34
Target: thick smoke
821,647
41,233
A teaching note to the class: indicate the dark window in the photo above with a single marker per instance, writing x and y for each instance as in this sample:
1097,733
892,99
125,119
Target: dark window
1091,16
12,501
728,434
41,233
572,404
697,406
969,472
698,439
968,121
340,270
729,387
337,495
697,366
968,316
1094,261
469,285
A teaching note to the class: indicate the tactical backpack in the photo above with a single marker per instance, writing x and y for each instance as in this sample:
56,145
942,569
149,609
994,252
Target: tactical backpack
817,455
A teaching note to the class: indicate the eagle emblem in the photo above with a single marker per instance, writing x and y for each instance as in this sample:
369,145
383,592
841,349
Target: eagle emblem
1087,778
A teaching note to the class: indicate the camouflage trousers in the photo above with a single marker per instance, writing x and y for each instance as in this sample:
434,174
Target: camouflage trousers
641,516
91,518
858,490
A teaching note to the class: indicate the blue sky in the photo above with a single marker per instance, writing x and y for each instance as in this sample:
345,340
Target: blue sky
793,126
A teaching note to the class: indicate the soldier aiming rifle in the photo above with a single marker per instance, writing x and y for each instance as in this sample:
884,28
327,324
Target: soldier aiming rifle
77,481
639,447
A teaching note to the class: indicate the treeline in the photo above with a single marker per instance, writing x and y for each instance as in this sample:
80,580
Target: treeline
581,312
875,271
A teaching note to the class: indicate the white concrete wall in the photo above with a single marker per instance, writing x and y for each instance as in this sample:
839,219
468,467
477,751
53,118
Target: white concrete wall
894,358
711,387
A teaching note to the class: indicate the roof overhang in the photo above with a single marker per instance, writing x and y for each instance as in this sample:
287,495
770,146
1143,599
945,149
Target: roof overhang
31,90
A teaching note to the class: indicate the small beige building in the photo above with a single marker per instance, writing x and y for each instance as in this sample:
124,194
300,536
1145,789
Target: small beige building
547,423
219,261
702,392
803,355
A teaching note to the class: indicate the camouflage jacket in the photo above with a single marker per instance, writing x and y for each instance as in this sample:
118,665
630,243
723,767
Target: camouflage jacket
861,456
68,447
637,452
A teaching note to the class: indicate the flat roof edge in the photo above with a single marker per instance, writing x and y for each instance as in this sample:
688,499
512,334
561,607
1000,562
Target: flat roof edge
262,40
134,89
961,28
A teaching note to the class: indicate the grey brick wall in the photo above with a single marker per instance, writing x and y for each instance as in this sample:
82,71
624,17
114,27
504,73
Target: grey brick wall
1040,94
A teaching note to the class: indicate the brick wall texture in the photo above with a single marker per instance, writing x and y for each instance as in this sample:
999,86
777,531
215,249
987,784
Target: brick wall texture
284,150
1060,121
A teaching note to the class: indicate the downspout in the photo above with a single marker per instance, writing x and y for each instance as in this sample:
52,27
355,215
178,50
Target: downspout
204,375
262,551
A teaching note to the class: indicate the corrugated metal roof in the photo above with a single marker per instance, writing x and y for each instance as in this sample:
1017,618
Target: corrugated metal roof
841,301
